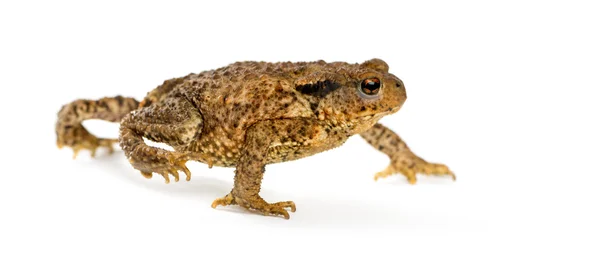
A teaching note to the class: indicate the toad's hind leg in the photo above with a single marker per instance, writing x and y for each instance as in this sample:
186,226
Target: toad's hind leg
70,131
174,121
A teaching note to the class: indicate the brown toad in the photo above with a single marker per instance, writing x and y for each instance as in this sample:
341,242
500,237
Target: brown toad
250,114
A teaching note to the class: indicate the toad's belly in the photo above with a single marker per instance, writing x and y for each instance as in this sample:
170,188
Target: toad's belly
277,153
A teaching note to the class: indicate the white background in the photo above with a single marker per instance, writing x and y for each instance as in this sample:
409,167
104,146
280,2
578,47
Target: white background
504,92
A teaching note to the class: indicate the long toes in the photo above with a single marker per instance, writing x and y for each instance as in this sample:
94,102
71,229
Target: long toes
279,208
436,169
287,204
175,174
188,174
108,144
277,211
223,201
92,146
166,176
410,175
283,212
380,175
181,166
383,174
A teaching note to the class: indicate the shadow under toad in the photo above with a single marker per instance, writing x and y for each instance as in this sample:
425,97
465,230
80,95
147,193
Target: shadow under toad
313,211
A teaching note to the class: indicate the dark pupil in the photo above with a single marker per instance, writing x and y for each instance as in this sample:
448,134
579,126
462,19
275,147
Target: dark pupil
370,86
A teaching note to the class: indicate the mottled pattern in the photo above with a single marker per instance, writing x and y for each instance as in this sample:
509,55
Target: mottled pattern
402,159
250,114
70,132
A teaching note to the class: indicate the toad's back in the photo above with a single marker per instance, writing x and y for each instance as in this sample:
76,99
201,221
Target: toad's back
232,98
240,94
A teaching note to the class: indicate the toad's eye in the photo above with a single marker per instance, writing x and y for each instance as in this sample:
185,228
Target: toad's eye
370,86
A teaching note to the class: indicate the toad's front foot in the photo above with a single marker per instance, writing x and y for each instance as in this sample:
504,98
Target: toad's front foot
256,203
411,165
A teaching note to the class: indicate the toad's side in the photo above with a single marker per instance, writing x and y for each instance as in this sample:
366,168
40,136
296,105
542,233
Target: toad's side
250,114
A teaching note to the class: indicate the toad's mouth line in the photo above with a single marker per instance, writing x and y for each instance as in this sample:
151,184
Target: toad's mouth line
379,114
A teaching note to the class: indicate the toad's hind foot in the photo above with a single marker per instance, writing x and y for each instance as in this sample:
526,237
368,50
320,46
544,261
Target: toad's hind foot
410,167
70,131
170,167
100,143
257,204
78,138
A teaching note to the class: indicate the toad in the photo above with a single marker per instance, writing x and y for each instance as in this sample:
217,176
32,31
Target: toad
248,115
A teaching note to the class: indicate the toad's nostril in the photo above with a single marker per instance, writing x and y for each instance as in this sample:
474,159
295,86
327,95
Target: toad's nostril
398,85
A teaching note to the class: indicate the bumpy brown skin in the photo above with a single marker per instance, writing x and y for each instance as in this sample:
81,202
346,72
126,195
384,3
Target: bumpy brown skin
250,114
70,132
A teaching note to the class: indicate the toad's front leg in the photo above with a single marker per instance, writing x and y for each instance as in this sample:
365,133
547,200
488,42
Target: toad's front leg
174,121
255,155
402,159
